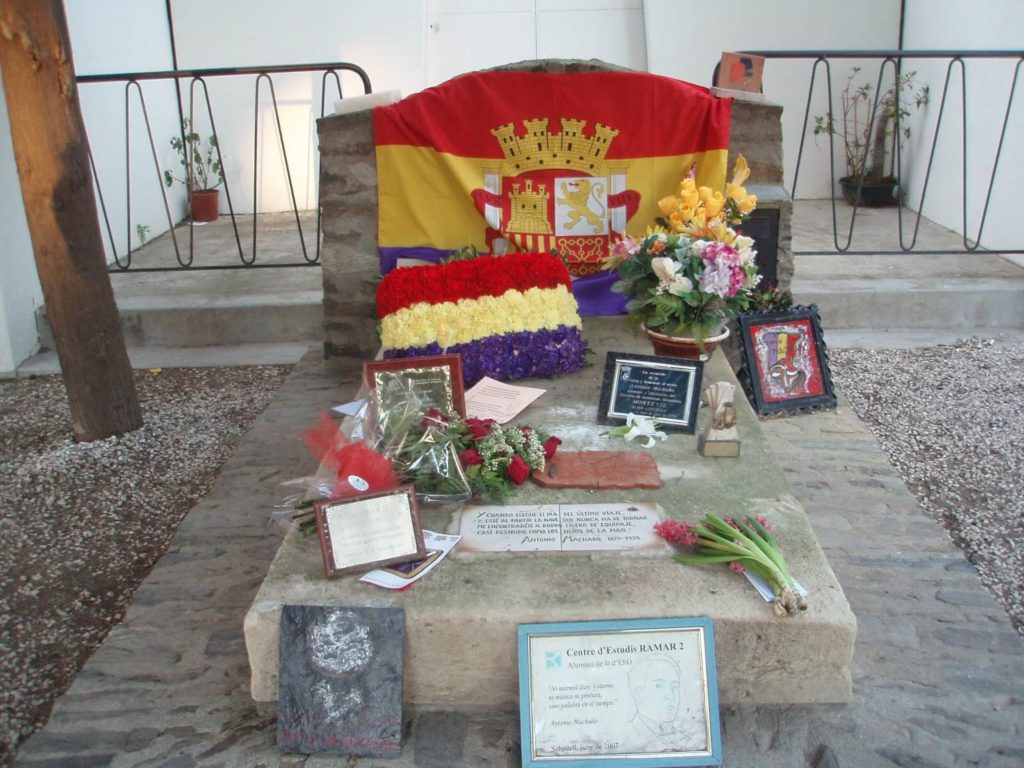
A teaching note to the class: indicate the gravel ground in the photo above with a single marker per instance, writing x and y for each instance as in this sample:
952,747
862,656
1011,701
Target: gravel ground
949,417
82,524
951,420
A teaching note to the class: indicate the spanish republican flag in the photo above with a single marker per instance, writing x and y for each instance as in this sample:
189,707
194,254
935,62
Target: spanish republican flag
553,163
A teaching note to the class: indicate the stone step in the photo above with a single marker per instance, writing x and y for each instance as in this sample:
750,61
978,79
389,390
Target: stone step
913,292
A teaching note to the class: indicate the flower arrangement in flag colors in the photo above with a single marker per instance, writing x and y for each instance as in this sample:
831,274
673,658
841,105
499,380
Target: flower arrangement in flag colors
693,271
510,317
746,545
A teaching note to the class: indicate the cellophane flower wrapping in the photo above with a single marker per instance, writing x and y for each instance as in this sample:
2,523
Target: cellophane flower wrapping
416,438
349,466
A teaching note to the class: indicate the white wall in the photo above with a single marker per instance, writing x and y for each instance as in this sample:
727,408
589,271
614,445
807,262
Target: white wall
680,44
465,35
970,25
20,293
126,36
385,38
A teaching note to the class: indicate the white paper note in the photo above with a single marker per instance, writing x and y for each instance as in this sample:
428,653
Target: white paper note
491,399
436,542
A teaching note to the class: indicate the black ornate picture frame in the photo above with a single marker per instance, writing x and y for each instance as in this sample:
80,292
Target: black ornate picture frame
784,366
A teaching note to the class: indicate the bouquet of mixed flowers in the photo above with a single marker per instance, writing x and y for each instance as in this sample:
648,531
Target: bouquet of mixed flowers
492,458
693,271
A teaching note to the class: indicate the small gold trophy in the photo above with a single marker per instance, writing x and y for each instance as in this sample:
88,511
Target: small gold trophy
720,438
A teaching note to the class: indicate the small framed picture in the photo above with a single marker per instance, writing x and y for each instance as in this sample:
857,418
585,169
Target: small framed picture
436,380
360,533
784,361
665,388
637,692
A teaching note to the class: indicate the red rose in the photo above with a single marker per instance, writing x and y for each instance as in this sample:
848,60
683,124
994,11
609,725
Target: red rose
480,428
550,446
518,470
470,456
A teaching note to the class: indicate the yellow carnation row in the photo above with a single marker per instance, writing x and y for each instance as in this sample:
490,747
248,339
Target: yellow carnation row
468,320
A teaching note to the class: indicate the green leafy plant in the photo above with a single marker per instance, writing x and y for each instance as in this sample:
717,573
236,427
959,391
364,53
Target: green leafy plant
771,299
142,230
868,129
200,161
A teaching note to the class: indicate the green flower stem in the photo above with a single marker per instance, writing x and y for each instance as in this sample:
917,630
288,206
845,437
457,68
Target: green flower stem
750,545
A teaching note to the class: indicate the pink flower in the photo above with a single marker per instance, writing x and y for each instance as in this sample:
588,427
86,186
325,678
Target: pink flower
736,567
518,470
676,533
721,252
470,456
764,522
550,446
626,247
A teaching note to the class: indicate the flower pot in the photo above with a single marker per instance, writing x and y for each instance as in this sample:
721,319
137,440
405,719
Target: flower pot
204,205
875,193
687,347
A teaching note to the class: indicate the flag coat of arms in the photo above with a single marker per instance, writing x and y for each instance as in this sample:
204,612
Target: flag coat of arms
562,163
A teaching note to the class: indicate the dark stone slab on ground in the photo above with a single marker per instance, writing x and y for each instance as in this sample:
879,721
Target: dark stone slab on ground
341,680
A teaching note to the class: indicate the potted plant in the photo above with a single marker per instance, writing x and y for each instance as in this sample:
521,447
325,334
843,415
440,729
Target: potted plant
868,131
693,271
202,175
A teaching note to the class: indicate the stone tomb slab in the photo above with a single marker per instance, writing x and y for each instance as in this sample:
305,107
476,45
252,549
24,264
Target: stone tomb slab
341,680
461,620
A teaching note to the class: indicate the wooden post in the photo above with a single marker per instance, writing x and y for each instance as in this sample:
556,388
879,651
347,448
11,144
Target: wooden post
56,185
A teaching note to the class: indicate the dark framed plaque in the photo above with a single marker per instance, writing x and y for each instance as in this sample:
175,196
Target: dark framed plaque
360,533
784,365
638,692
665,388
435,379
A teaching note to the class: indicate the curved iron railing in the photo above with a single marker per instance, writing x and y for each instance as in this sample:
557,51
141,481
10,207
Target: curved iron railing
895,59
197,78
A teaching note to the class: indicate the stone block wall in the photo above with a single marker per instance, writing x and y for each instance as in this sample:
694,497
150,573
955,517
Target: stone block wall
348,253
348,204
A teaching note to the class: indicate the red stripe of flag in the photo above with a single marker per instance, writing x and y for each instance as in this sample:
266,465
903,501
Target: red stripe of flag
655,116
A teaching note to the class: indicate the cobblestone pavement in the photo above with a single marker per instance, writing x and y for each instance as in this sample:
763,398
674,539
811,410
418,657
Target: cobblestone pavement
938,671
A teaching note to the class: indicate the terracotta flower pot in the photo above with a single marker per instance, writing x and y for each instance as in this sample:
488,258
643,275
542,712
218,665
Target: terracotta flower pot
686,347
205,205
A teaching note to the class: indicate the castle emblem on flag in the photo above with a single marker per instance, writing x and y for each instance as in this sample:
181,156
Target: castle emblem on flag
556,192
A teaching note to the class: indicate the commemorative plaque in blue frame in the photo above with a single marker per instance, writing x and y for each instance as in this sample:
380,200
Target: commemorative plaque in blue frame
610,694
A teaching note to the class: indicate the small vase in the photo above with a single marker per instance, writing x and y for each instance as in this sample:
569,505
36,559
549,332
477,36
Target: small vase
687,347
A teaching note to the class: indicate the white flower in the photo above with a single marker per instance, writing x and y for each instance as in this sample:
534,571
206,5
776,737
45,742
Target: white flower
665,268
680,285
745,245
644,427
668,278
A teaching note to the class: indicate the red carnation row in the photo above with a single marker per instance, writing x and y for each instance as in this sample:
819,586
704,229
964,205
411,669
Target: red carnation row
469,279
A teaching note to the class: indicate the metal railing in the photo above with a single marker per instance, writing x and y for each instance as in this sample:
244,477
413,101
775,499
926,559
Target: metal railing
197,79
957,61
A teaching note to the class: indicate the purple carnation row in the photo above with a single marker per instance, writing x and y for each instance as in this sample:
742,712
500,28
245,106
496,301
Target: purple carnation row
522,355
